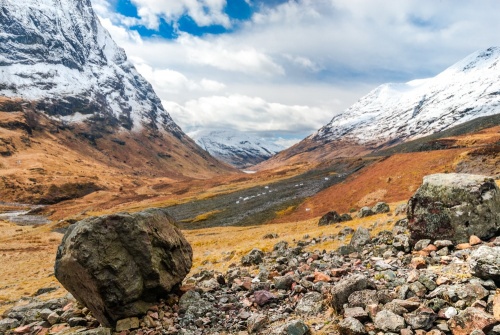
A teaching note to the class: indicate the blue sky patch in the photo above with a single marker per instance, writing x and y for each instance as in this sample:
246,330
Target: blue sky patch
237,10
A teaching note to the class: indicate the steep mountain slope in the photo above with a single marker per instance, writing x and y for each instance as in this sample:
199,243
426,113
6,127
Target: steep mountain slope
57,53
60,69
394,113
238,149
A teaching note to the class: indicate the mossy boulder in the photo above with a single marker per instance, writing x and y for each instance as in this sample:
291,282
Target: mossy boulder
119,265
453,207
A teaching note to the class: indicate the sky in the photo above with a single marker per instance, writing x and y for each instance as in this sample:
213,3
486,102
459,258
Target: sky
280,69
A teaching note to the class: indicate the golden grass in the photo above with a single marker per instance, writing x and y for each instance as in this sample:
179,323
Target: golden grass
27,258
202,217
285,211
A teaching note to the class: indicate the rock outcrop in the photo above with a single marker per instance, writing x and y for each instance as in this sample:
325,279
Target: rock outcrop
119,265
454,207
333,217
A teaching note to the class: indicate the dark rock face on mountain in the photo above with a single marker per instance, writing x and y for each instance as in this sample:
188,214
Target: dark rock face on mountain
119,265
56,53
454,207
61,71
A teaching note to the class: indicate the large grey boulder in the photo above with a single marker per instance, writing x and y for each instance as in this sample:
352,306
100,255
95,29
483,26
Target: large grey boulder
119,265
454,206
485,263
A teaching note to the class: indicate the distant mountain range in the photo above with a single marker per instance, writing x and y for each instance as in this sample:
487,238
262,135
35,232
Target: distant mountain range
235,148
395,113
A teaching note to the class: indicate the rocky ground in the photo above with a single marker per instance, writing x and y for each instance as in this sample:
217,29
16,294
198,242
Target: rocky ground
371,285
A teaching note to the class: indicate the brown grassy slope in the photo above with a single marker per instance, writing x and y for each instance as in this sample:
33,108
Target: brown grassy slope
43,161
397,177
309,151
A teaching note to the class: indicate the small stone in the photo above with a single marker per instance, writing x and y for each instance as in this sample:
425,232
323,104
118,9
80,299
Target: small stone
345,287
284,282
422,318
388,321
360,238
320,276
372,310
496,306
311,303
485,263
256,322
22,329
263,297
127,324
296,327
381,207
413,276
356,312
469,320
427,282
339,272
254,257
418,263
418,288
421,244
442,280
351,326
8,323
364,212
474,240
463,246
362,298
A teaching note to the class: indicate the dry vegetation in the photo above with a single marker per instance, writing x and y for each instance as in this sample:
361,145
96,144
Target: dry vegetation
34,163
27,258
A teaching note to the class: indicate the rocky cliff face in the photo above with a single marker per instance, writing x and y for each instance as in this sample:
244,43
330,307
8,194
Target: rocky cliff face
56,54
60,68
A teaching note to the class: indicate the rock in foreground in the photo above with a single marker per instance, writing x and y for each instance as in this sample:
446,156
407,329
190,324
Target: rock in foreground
455,206
118,265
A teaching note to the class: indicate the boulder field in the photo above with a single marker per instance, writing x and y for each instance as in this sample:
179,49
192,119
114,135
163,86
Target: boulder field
386,283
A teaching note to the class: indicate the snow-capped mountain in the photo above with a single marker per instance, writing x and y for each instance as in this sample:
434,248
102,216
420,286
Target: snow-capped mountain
238,149
393,113
60,67
57,54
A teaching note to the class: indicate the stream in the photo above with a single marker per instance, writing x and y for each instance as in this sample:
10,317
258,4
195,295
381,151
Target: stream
21,216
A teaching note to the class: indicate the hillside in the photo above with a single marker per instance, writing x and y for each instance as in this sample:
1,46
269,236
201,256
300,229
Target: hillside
76,116
396,113
46,162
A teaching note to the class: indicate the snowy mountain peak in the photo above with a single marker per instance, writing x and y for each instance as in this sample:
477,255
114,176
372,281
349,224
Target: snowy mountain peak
57,54
238,149
393,113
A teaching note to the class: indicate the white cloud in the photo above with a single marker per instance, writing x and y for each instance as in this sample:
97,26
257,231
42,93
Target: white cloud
309,57
223,54
244,113
171,82
203,12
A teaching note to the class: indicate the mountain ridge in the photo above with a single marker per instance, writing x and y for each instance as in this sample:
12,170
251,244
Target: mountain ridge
58,54
397,112
235,148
